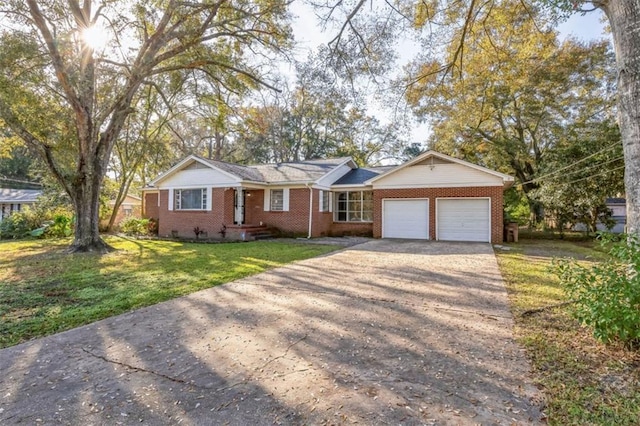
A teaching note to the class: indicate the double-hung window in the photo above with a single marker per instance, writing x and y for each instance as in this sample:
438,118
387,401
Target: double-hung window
277,200
190,199
354,206
325,199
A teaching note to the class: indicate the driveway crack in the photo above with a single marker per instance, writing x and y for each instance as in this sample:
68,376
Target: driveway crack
139,369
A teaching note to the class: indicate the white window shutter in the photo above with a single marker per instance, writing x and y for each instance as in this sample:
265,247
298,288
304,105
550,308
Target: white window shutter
320,200
267,200
331,201
209,196
170,199
285,200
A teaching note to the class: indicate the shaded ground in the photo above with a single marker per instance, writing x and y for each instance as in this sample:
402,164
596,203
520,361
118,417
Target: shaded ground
384,332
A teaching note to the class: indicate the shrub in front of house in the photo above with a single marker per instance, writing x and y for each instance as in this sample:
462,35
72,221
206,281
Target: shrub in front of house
135,227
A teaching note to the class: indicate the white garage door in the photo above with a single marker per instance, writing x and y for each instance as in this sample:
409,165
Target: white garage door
405,219
463,219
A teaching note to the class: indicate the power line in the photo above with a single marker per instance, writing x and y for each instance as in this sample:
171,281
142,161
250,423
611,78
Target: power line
593,166
571,165
597,174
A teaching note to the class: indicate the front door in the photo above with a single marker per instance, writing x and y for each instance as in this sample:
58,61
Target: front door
238,217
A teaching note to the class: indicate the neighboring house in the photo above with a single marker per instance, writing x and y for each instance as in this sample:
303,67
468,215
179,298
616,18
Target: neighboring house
618,207
14,200
433,196
131,206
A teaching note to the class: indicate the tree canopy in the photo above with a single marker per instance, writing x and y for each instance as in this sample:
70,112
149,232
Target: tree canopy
521,95
70,74
452,24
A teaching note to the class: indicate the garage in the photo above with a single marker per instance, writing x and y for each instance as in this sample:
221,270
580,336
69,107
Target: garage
463,219
405,219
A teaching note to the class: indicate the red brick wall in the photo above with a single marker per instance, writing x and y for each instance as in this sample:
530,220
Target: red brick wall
296,220
494,192
352,228
151,209
185,221
322,221
136,211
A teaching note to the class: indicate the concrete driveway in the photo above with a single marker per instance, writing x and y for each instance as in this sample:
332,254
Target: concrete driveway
385,332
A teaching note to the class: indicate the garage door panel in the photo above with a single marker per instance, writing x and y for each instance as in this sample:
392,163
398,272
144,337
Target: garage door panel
463,220
405,219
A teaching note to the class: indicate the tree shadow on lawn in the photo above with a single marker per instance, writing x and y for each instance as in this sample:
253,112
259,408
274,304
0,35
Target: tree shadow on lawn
298,345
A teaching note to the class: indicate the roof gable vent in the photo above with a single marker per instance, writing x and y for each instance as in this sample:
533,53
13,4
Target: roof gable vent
432,161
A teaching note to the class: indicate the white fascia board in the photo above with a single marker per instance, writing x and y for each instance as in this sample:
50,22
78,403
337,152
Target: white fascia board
249,184
348,162
185,161
354,187
444,185
297,183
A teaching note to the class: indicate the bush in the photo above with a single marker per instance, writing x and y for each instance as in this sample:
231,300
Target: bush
37,223
19,224
135,226
607,294
61,226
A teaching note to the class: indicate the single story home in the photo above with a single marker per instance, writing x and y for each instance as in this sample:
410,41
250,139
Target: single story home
14,200
131,206
433,196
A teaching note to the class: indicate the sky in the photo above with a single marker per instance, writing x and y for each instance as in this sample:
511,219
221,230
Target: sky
309,35
585,27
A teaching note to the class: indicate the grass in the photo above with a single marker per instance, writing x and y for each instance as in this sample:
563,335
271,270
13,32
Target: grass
43,290
585,381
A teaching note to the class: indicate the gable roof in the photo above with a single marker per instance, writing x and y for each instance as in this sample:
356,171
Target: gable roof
361,175
507,180
9,195
304,171
280,173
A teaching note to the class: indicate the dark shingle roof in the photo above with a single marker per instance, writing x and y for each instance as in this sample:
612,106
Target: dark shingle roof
244,172
309,170
360,176
8,195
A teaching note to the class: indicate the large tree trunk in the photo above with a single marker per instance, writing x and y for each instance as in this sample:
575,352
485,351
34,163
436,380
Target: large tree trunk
86,202
624,17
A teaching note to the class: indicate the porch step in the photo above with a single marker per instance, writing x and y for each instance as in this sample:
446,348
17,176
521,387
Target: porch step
249,232
262,235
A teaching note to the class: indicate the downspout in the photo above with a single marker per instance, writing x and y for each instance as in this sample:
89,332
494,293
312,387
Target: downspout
309,185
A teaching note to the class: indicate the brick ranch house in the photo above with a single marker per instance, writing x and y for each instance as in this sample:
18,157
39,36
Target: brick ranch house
433,196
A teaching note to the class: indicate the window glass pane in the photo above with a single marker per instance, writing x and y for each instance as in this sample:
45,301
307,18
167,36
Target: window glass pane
367,216
355,216
367,195
277,197
340,208
326,195
355,196
190,199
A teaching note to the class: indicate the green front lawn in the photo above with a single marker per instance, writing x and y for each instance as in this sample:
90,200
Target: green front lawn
585,381
43,290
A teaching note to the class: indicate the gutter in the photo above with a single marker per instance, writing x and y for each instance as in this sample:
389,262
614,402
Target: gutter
309,185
